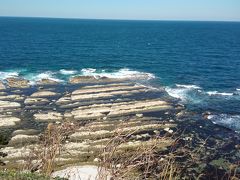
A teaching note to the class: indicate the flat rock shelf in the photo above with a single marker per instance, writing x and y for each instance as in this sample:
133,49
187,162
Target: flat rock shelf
100,111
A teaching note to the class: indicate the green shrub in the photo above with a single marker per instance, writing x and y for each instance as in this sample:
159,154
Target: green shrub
14,175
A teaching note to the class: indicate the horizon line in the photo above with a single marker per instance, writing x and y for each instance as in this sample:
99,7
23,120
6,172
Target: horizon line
119,19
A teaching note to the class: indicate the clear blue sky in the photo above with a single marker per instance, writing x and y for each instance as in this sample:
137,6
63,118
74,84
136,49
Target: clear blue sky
125,9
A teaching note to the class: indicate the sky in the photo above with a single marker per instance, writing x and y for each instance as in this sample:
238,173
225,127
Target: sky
210,10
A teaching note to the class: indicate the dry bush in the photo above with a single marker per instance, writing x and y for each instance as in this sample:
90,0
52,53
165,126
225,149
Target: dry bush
142,162
43,157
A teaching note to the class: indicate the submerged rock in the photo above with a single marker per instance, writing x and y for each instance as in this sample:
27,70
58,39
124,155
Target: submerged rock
17,83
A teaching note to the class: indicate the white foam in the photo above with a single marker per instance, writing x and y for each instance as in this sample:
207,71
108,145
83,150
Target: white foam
67,72
216,93
188,86
5,75
120,74
238,89
231,121
45,75
88,70
179,93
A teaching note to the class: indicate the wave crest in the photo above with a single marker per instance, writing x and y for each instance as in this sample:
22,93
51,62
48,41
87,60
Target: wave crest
216,93
67,72
120,74
5,75
231,121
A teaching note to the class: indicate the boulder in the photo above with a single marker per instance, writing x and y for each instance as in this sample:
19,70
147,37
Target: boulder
17,83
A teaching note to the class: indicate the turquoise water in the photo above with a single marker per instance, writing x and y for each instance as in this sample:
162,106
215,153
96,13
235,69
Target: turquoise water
197,62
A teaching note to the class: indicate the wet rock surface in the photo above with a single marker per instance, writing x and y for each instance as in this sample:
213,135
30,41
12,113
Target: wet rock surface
100,111
17,83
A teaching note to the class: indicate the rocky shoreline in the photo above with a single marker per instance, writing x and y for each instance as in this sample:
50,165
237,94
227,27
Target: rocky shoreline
100,108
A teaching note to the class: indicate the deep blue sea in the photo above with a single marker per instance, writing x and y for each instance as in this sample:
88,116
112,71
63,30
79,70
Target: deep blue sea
197,62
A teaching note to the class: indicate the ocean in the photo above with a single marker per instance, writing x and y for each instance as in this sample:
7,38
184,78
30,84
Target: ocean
196,62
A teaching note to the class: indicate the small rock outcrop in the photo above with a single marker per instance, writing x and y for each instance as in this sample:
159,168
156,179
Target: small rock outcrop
17,83
91,79
47,82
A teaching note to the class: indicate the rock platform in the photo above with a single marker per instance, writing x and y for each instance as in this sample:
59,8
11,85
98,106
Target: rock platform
100,111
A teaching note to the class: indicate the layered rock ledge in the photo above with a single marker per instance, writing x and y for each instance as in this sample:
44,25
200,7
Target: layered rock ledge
95,111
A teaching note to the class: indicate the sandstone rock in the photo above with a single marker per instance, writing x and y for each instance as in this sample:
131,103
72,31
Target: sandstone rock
168,130
91,79
17,83
139,115
105,89
16,153
47,82
104,95
22,139
90,134
119,109
10,97
2,86
36,101
6,121
64,100
25,132
3,93
9,105
44,94
49,116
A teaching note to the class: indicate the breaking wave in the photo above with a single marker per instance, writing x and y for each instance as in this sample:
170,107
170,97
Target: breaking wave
184,92
63,74
33,77
5,75
67,72
216,93
231,121
120,74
